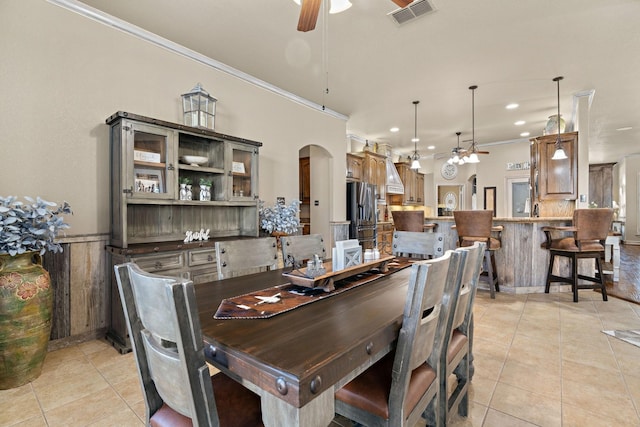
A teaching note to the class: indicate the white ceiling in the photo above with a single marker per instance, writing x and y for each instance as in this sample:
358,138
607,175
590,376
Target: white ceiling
510,49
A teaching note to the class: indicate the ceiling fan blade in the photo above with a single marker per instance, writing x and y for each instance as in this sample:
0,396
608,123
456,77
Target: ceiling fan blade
402,3
308,15
482,152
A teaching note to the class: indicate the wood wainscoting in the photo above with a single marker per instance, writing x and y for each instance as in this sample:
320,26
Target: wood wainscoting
81,305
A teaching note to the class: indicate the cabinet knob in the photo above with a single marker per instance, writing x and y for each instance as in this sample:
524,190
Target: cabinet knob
157,265
209,258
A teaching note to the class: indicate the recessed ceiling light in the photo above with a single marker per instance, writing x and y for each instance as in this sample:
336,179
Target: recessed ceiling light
525,134
394,129
512,106
520,123
625,128
431,147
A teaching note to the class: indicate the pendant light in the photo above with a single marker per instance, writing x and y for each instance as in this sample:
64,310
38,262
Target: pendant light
455,153
559,154
415,164
473,156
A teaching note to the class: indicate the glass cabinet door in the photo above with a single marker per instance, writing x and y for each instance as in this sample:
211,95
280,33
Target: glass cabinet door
149,161
243,172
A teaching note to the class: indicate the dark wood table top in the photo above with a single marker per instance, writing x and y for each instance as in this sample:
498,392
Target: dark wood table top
301,353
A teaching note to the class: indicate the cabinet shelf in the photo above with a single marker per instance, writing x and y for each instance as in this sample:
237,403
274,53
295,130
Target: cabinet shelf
154,165
204,169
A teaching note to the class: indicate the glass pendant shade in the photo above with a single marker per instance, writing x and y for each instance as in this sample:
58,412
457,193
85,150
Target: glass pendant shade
559,154
415,164
473,158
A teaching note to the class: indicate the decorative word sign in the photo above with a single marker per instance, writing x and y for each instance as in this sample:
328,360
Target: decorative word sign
196,235
518,166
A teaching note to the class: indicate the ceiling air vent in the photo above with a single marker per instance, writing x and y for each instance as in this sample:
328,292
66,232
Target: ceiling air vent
411,12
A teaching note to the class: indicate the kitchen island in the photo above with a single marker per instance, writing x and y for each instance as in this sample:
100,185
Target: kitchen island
521,262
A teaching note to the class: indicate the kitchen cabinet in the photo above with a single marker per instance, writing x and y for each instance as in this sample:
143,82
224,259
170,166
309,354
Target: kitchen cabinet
419,193
150,223
304,176
355,167
413,187
554,183
375,172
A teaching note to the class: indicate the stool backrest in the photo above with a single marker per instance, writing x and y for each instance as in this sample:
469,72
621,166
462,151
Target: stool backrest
473,223
408,220
592,224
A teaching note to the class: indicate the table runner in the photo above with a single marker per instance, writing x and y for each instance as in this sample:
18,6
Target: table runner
290,296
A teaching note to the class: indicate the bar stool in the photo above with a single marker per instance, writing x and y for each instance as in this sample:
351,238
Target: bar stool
589,232
408,220
477,226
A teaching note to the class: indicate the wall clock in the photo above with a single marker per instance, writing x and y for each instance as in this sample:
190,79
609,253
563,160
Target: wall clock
449,171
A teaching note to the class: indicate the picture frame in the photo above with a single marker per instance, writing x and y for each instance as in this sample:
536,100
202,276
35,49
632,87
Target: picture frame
148,181
490,199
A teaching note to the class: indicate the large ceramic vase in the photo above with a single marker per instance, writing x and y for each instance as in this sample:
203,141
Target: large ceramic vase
26,303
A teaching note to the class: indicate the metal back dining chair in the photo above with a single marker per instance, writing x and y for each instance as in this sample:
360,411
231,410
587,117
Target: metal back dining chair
162,319
477,226
246,256
458,359
299,249
397,390
588,234
417,244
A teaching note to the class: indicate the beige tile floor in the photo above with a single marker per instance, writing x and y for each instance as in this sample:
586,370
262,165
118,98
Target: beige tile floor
541,360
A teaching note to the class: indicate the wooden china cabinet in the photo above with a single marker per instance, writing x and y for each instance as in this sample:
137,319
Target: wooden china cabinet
150,221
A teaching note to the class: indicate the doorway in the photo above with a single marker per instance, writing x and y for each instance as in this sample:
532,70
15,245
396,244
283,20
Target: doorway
450,198
518,197
314,189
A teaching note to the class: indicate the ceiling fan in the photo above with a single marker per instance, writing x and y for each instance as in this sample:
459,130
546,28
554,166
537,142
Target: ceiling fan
471,154
311,8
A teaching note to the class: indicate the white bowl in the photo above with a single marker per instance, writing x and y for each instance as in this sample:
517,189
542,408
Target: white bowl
194,160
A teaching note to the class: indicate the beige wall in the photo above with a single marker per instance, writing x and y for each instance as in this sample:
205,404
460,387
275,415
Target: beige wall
62,75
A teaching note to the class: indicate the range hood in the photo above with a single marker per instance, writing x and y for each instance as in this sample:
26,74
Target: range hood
394,183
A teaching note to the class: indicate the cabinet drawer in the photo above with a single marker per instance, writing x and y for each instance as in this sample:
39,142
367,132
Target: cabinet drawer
201,257
160,262
208,275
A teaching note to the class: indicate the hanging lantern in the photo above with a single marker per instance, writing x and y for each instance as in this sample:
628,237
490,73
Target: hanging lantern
199,108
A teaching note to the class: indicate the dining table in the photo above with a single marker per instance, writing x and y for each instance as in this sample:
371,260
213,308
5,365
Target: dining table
295,360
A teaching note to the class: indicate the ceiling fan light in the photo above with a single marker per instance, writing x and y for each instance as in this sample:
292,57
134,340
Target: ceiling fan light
338,6
461,161
451,161
456,158
415,164
559,154
473,158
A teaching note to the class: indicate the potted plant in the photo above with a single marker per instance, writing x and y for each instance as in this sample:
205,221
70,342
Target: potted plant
185,188
205,189
27,231
280,219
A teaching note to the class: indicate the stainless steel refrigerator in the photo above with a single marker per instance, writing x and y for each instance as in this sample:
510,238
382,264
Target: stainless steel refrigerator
362,212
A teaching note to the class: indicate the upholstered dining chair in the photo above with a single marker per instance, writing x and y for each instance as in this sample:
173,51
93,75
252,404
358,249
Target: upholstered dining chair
458,359
246,256
299,249
408,220
397,389
588,234
162,319
477,226
417,244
